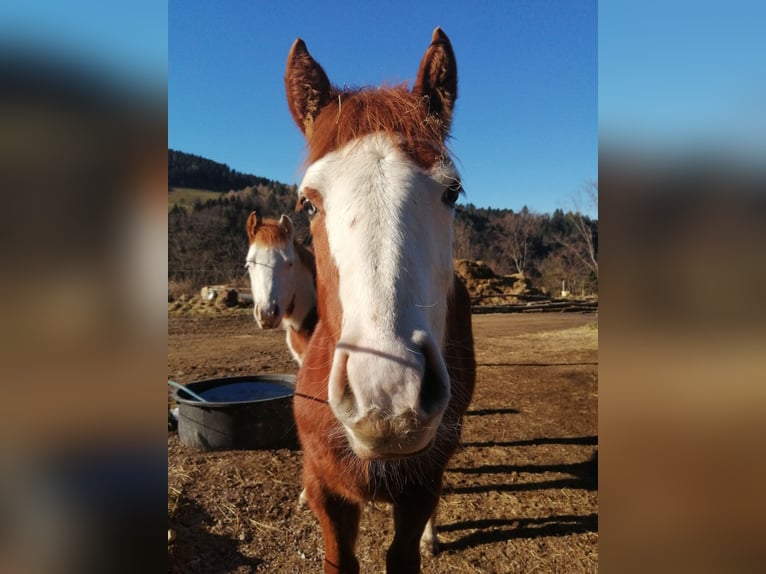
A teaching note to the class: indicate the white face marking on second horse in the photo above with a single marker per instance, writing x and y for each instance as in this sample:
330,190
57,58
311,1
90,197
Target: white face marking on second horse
271,281
390,236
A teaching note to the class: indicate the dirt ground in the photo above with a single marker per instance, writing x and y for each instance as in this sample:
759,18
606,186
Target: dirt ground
520,497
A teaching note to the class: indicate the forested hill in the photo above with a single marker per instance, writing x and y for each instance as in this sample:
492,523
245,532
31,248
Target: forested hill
207,241
189,170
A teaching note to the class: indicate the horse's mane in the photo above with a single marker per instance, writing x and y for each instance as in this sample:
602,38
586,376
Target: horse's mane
396,111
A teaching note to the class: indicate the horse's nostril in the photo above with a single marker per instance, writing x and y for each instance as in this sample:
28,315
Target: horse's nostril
431,396
434,389
340,393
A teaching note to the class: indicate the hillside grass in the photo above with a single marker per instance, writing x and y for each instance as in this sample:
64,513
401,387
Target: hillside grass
185,196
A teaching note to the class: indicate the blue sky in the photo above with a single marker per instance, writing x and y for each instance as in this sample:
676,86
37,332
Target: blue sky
525,129
677,78
123,40
674,77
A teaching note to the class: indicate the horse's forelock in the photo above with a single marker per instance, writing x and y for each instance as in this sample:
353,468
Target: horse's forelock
269,233
396,111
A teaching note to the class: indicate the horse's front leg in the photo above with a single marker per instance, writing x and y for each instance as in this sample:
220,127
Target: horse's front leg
410,518
339,520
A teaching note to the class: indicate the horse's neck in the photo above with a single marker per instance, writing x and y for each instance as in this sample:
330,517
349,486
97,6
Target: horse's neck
318,362
303,315
458,346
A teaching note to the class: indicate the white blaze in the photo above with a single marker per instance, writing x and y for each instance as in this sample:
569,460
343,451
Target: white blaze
390,236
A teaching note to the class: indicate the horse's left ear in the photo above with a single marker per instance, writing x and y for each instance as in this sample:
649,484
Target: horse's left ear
308,88
437,79
286,226
253,221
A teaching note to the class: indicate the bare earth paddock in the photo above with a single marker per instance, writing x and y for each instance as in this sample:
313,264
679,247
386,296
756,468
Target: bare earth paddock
520,497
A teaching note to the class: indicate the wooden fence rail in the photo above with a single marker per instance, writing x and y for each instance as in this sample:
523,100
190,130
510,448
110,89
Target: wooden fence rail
587,306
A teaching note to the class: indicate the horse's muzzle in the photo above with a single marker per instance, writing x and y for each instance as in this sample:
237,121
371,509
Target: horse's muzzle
268,317
390,446
390,404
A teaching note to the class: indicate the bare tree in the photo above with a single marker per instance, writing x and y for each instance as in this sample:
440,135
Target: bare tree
461,240
585,244
519,229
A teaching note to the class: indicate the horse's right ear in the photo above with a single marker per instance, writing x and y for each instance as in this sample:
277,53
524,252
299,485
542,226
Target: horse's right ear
308,88
437,80
253,221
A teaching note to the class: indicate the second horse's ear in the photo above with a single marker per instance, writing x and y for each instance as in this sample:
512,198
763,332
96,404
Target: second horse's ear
253,222
286,226
437,80
307,86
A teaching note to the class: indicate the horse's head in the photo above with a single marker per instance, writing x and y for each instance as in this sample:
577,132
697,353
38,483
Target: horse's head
380,191
269,262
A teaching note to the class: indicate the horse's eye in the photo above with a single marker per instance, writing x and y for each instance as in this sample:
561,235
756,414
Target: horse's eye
451,193
307,207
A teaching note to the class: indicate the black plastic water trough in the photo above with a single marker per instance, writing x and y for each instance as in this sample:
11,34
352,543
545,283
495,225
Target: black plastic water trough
247,412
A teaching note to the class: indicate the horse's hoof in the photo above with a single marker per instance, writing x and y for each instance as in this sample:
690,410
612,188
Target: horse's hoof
429,547
302,500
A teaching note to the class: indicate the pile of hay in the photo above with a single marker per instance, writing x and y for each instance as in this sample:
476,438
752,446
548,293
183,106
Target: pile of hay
487,288
211,300
222,294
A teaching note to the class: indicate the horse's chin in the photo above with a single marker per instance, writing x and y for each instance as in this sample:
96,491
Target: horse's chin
268,325
392,453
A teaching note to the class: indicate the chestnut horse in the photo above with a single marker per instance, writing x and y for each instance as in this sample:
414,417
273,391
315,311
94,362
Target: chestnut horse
390,370
282,279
